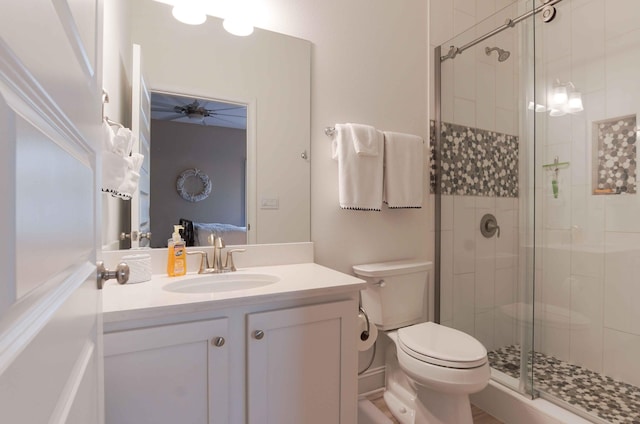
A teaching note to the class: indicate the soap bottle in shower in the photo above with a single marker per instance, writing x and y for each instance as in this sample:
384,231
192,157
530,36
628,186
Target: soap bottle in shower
177,254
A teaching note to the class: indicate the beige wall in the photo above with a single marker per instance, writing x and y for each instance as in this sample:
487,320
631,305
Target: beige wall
369,65
218,152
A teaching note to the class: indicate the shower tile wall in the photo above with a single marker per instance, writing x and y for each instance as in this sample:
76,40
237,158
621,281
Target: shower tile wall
478,275
589,285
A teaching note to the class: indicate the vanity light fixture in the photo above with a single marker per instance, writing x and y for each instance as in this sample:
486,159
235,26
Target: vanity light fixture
564,99
189,12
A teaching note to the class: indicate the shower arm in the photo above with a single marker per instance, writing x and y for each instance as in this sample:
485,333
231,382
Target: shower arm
510,23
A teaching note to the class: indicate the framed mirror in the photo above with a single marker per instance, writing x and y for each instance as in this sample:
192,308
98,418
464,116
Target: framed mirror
268,72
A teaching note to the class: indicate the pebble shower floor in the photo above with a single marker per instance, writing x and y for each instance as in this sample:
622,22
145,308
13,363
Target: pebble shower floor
611,400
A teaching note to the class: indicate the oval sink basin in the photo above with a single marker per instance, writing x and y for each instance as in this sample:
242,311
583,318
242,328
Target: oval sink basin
213,283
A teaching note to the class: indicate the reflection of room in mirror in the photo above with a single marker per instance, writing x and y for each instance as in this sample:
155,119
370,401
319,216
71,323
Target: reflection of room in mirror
209,136
271,76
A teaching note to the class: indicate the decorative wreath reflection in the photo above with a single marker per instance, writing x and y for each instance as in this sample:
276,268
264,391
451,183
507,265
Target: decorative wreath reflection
205,184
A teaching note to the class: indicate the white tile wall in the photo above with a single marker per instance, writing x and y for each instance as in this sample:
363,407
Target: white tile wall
479,275
621,353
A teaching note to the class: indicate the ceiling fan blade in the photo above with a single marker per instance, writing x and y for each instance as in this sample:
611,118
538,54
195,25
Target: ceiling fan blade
222,119
170,117
163,109
227,114
162,103
226,109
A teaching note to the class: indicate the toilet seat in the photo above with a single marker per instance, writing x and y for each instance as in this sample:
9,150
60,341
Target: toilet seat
442,346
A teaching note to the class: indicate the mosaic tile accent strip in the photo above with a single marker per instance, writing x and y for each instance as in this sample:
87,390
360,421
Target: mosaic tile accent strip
616,155
611,400
476,162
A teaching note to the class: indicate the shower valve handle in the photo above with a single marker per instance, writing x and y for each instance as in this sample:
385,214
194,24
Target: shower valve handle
489,226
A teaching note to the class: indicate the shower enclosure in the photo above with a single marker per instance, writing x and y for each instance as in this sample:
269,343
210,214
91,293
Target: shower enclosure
538,215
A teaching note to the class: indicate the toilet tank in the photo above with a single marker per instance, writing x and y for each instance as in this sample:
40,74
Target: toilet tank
396,292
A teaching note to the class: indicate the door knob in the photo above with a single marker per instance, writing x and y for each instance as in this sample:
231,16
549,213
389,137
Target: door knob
121,274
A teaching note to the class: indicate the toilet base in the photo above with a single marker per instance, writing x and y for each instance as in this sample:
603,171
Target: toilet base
403,412
413,403
431,409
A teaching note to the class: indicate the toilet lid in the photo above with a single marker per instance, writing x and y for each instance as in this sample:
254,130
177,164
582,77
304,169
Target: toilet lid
440,345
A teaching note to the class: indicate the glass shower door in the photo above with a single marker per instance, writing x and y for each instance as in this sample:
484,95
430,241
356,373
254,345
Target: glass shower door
481,136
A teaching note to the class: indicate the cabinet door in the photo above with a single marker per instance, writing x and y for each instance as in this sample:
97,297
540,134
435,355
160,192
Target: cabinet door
302,365
169,374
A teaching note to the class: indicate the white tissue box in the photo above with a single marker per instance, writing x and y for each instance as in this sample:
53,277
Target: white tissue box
139,267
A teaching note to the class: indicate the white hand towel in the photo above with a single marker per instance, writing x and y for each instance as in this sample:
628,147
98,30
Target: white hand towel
132,174
114,169
365,139
359,177
403,173
122,142
120,172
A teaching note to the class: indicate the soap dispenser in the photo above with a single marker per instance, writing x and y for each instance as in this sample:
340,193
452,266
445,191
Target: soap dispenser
177,255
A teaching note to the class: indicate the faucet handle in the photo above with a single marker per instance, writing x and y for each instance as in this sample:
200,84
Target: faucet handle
204,260
228,263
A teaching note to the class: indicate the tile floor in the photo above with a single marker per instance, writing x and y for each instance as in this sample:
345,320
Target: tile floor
609,399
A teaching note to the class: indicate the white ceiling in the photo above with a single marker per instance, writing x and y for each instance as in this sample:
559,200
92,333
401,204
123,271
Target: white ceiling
170,107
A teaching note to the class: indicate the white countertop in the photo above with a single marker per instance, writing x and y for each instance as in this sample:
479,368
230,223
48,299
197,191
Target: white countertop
149,299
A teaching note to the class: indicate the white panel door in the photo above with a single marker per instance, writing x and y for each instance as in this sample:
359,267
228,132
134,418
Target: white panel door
301,365
50,115
141,129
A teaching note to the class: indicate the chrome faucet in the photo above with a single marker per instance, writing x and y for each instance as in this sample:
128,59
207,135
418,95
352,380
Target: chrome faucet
218,267
218,245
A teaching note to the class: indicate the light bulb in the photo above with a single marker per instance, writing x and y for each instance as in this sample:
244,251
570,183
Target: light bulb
557,112
189,12
574,104
236,26
559,96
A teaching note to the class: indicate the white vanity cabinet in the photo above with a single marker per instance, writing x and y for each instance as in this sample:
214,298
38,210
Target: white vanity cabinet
168,374
301,365
280,363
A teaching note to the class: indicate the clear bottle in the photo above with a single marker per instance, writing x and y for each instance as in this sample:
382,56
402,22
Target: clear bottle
177,254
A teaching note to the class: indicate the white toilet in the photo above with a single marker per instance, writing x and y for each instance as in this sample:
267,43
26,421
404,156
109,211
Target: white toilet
430,369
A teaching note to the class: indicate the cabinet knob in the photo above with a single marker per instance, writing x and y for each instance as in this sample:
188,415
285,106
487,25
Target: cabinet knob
258,334
218,342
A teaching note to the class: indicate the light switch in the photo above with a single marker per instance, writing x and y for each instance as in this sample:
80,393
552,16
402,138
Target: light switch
269,203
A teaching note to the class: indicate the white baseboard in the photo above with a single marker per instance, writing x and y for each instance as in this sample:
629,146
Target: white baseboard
371,381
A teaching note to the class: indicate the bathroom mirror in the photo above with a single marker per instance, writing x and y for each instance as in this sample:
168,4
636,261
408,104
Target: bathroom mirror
268,72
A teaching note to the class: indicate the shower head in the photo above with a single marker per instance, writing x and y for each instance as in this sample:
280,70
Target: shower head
502,54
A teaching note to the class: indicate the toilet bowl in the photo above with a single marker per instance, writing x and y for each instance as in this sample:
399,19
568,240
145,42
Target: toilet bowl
430,369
